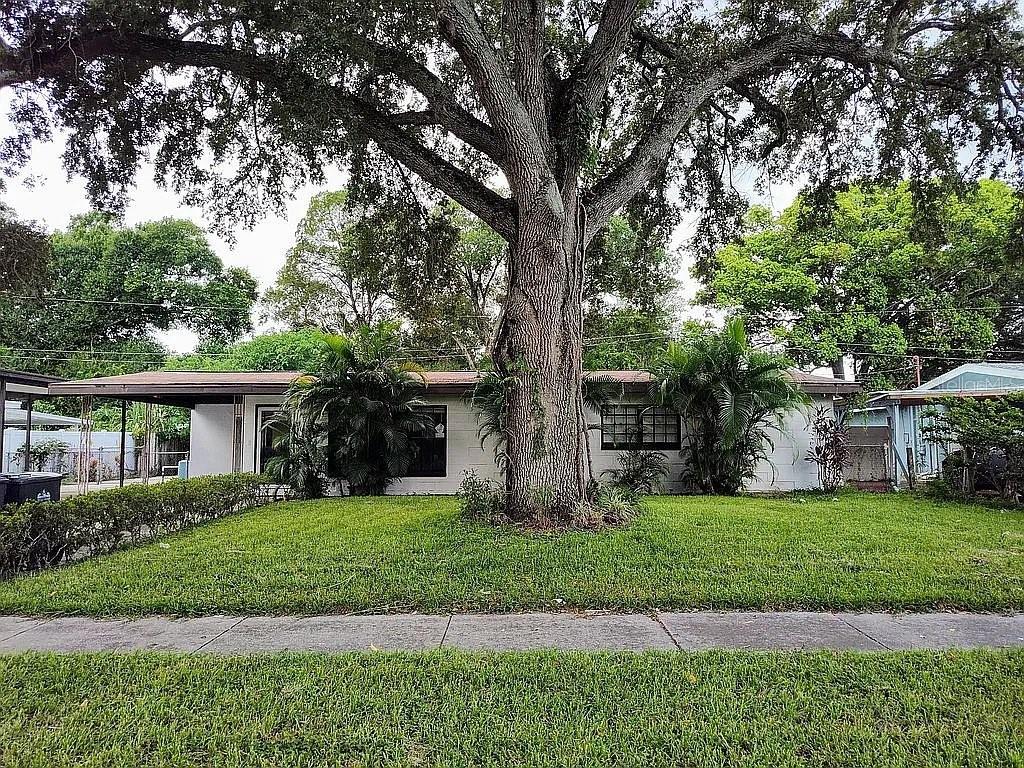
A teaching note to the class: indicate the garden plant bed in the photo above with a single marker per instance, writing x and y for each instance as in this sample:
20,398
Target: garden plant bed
536,709
404,554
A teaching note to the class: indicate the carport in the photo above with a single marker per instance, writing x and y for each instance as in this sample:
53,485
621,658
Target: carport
182,389
28,387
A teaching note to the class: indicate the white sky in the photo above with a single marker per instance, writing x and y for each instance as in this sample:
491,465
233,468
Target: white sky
46,195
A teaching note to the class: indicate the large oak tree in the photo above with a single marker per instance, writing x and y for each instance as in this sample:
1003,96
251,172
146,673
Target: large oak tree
868,280
576,108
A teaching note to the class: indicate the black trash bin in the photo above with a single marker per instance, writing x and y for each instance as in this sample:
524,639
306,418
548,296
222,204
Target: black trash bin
33,486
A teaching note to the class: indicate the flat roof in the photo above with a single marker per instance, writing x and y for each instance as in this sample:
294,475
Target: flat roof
25,383
187,388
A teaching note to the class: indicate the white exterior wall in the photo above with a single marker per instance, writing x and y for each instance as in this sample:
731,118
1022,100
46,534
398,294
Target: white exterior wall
212,429
788,469
210,440
464,452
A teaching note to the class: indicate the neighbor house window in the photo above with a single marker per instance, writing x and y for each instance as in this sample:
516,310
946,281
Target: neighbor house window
643,427
266,435
431,444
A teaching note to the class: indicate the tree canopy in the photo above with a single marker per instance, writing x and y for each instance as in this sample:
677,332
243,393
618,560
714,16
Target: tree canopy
108,289
880,279
24,253
613,94
300,350
439,272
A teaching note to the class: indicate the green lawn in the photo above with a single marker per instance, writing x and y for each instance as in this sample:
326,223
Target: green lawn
544,709
409,553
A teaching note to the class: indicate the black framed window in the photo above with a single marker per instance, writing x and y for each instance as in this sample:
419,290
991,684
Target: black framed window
267,434
638,427
431,444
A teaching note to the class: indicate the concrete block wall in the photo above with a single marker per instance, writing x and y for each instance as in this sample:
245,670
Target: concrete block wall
212,435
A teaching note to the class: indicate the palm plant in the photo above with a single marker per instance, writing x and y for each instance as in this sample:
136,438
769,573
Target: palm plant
363,409
731,397
299,460
488,399
639,472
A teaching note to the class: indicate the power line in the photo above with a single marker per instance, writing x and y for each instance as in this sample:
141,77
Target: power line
46,350
911,310
117,302
232,307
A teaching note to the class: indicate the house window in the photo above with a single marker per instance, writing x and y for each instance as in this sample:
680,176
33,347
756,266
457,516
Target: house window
431,445
266,436
638,427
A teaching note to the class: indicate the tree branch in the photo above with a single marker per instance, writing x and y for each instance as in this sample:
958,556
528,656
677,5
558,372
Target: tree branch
654,146
586,86
592,75
762,104
522,25
377,125
450,114
508,115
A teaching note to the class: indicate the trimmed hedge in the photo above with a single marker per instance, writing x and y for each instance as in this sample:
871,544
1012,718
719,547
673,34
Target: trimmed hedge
43,534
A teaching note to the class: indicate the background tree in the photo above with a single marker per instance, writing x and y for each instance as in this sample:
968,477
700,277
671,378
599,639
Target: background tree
439,273
577,110
339,273
629,267
24,253
109,289
442,276
986,443
630,312
879,278
301,350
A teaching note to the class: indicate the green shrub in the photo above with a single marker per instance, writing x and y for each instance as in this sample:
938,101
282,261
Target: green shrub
613,505
989,438
482,499
732,397
42,534
639,472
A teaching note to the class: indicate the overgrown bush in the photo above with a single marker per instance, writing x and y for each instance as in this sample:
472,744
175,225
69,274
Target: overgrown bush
40,453
613,505
990,437
482,499
640,472
42,534
299,461
363,408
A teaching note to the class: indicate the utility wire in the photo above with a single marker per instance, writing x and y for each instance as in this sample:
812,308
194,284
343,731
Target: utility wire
119,303
794,316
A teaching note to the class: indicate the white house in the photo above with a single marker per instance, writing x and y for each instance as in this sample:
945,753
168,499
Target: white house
229,410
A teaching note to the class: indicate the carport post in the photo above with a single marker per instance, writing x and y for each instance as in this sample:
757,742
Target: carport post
3,418
124,430
28,434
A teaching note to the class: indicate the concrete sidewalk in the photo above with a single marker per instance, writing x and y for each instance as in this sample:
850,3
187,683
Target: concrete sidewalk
528,631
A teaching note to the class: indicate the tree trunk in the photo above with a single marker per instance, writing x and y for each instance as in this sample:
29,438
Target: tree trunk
539,348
